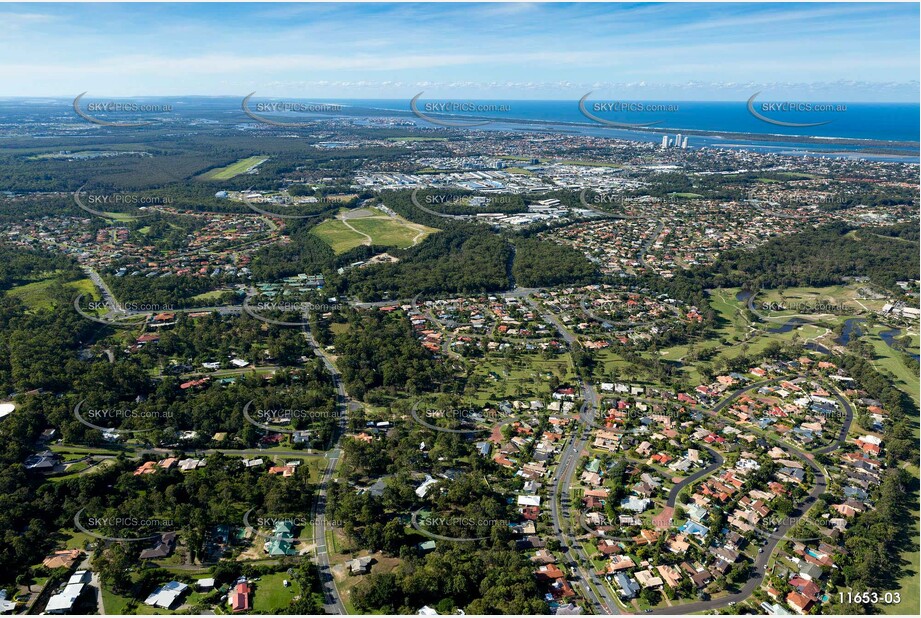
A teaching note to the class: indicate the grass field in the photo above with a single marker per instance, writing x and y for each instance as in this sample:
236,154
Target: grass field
212,295
525,377
271,594
35,295
518,170
76,539
370,227
734,331
845,296
335,234
889,362
114,603
388,231
234,169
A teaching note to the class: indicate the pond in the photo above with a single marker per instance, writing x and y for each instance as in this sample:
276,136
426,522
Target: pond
788,325
851,329
889,337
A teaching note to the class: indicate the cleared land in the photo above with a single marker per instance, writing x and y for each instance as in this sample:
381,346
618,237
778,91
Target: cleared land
234,169
271,594
36,295
365,227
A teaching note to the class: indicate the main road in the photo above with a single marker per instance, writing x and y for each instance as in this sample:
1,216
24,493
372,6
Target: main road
598,594
332,600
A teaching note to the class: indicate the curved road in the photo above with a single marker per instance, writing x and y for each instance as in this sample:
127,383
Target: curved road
673,494
820,486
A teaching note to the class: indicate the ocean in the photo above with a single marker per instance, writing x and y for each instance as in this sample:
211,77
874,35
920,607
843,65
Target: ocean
897,122
882,131
872,131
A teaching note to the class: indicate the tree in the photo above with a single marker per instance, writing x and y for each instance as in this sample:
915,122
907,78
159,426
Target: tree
113,564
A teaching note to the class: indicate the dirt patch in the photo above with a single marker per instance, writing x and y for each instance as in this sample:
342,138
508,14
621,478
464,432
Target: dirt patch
382,258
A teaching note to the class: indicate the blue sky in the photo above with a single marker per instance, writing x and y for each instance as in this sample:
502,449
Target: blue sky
844,52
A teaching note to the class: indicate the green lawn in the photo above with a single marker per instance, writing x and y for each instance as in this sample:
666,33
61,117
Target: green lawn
212,295
114,603
889,362
64,449
686,195
909,587
271,595
383,230
520,379
120,216
334,233
35,295
76,540
234,169
389,231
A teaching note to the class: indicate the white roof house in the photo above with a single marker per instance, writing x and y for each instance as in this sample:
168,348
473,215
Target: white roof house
166,595
528,500
63,602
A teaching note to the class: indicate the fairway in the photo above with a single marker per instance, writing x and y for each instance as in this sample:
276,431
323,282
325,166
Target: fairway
234,169
889,362
366,227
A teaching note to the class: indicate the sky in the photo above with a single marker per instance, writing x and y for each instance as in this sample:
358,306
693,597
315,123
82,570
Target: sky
671,51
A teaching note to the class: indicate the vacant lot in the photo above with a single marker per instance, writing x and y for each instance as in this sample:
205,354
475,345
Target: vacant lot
35,295
365,227
271,594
